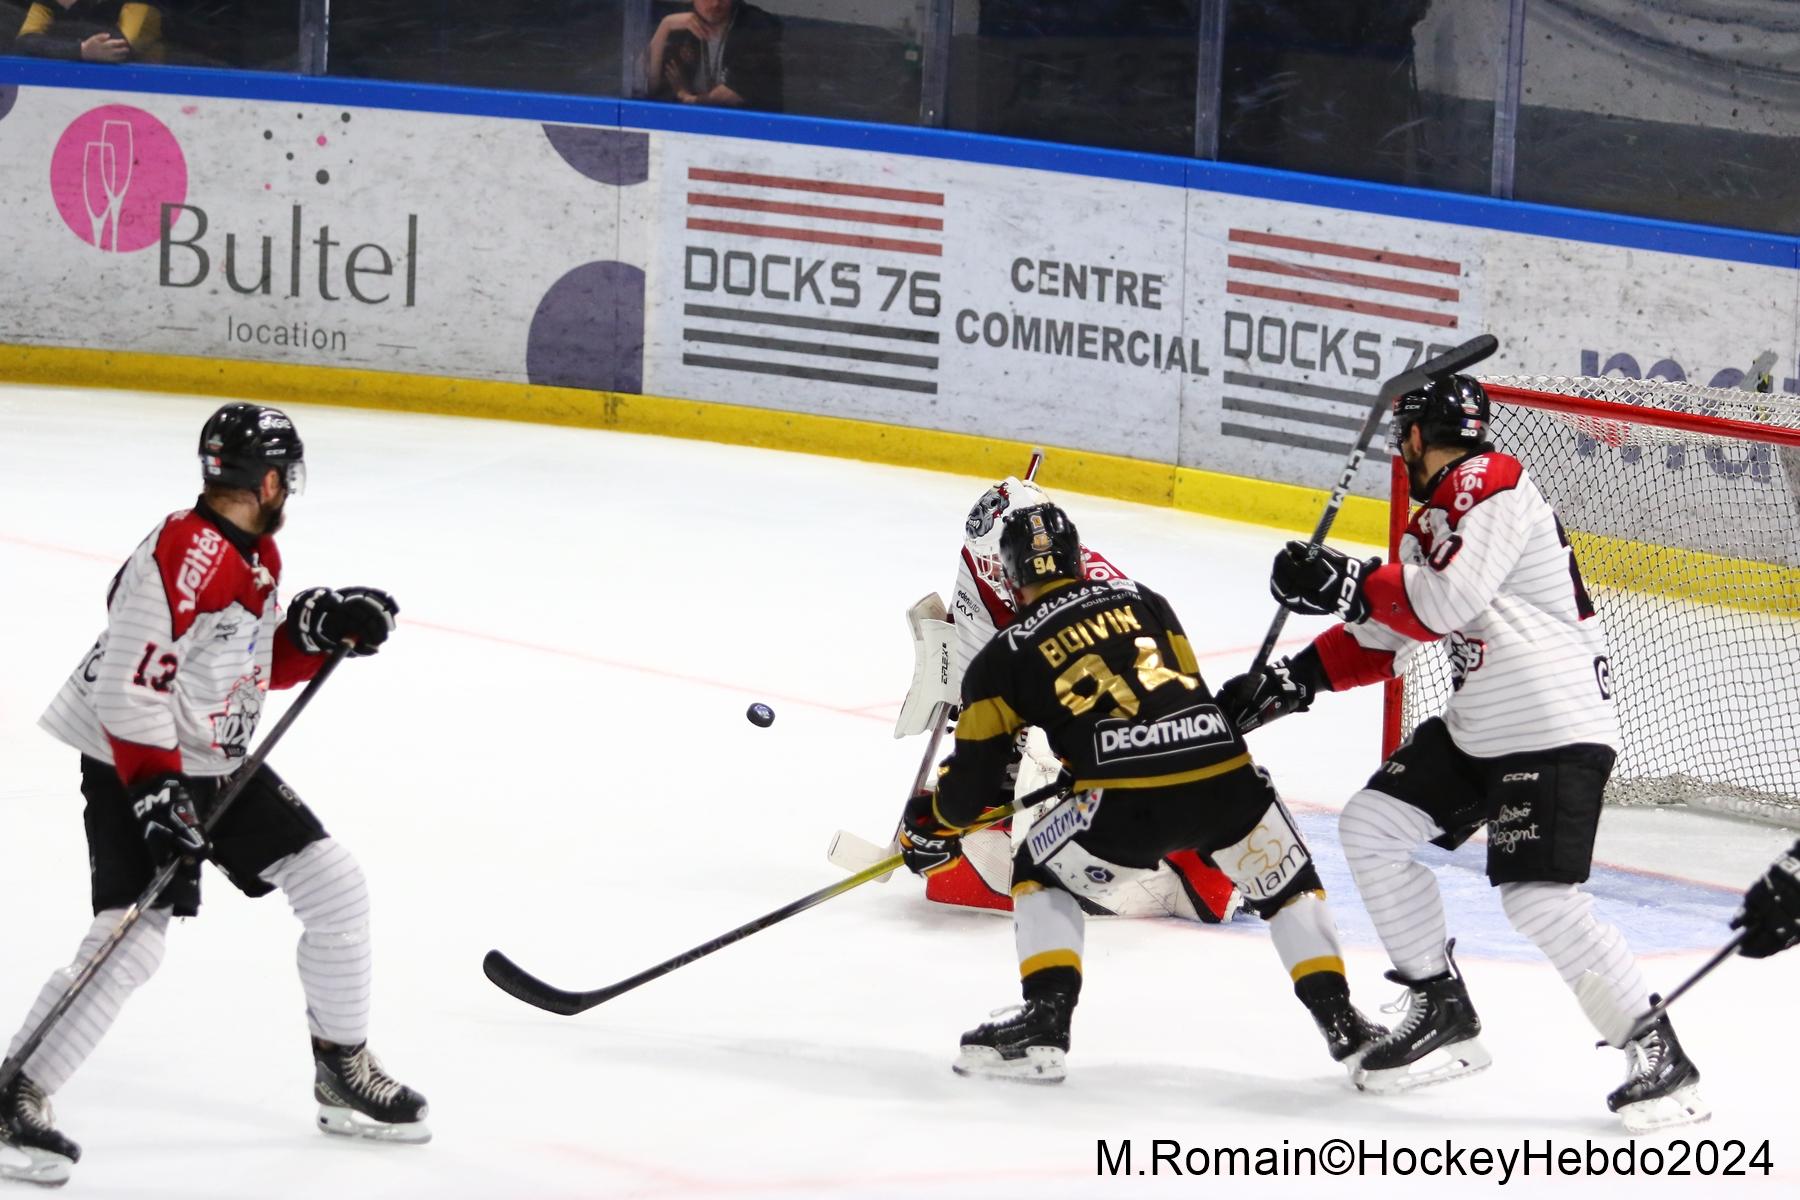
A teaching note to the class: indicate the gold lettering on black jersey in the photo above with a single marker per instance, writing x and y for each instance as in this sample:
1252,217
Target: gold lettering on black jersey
1053,653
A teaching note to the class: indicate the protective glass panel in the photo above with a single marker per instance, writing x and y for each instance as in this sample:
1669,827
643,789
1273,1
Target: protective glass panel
570,46
1395,91
191,33
1117,73
854,59
1683,109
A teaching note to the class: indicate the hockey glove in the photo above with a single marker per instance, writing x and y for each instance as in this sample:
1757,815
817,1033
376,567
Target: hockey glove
171,823
319,618
926,843
1321,581
1252,701
1771,914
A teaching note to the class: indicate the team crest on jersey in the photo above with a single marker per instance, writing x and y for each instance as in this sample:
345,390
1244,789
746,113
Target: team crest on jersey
233,728
1466,656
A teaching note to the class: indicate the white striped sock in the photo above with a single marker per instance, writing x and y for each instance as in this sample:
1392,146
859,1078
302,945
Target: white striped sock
327,891
1379,835
1559,919
74,1037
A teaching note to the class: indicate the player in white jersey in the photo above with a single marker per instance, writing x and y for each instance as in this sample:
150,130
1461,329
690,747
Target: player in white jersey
1183,885
1524,747
161,710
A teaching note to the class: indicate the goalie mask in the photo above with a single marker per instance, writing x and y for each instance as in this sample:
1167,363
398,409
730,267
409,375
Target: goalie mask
981,533
1039,545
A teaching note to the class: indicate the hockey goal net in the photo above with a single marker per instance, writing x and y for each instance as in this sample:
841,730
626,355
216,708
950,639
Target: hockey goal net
1681,504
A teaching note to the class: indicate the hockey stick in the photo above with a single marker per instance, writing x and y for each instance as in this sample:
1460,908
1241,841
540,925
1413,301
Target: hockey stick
520,984
1448,363
161,880
1601,1004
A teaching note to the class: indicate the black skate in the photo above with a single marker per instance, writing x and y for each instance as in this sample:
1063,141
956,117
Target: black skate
359,1099
1031,1045
1348,1034
1662,1085
28,1127
1435,1041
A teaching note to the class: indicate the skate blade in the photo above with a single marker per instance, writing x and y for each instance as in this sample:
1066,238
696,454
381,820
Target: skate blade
40,1166
347,1122
1041,1064
1440,1066
1683,1106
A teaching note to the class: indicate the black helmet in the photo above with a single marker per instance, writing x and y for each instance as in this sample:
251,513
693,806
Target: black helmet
1449,411
1039,544
240,442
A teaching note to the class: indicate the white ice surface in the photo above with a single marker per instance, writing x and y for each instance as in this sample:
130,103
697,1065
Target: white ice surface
551,757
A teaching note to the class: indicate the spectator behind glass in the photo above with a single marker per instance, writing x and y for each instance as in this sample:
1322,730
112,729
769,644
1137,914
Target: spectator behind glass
725,52
105,31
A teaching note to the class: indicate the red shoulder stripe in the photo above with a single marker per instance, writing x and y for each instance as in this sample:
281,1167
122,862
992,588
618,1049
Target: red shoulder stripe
1479,478
201,571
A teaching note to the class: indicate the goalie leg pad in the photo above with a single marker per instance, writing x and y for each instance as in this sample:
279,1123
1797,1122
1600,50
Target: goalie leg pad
982,878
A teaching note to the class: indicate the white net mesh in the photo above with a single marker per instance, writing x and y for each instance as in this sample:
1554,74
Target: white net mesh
1689,542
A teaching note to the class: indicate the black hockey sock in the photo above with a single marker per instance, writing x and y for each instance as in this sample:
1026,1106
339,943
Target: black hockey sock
1051,982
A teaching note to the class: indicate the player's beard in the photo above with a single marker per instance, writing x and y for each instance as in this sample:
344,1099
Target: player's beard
1418,485
273,515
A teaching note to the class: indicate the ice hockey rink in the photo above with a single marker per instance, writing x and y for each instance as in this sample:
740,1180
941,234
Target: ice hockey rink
551,757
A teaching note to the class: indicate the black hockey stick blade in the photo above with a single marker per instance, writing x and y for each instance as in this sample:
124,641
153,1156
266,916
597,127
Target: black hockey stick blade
520,984
1449,362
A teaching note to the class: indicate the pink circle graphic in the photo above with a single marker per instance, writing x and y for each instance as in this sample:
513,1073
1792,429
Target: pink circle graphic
111,173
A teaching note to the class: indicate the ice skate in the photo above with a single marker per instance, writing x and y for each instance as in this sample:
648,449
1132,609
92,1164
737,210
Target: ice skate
28,1129
1348,1034
1030,1045
1435,1041
359,1099
1662,1085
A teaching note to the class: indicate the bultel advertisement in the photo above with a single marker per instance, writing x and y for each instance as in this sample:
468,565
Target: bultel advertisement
305,233
1171,324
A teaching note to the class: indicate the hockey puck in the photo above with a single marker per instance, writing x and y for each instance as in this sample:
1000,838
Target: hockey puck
760,715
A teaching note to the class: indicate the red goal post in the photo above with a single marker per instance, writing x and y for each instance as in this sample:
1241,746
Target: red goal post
1683,505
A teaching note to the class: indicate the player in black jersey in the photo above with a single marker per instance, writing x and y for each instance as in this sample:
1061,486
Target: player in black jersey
1104,668
1770,917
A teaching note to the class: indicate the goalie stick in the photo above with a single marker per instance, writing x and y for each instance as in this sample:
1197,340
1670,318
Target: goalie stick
1448,363
12,1066
520,984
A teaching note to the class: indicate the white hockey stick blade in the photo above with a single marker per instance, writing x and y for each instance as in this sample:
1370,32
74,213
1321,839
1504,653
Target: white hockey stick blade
854,855
934,662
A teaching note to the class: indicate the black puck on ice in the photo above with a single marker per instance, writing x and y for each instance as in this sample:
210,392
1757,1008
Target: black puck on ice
760,715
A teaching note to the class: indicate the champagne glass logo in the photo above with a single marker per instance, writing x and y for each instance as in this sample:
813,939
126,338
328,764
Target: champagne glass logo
113,171
96,189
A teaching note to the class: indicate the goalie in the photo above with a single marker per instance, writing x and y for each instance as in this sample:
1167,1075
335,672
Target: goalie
1182,884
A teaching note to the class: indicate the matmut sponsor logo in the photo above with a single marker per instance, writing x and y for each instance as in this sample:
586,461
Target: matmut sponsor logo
1201,725
832,281
196,565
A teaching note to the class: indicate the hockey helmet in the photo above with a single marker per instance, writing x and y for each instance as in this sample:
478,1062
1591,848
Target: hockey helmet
1451,410
981,533
241,442
1038,545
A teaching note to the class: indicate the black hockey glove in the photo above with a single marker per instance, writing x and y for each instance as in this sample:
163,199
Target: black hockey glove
1252,701
1771,914
926,843
171,823
1321,581
319,618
